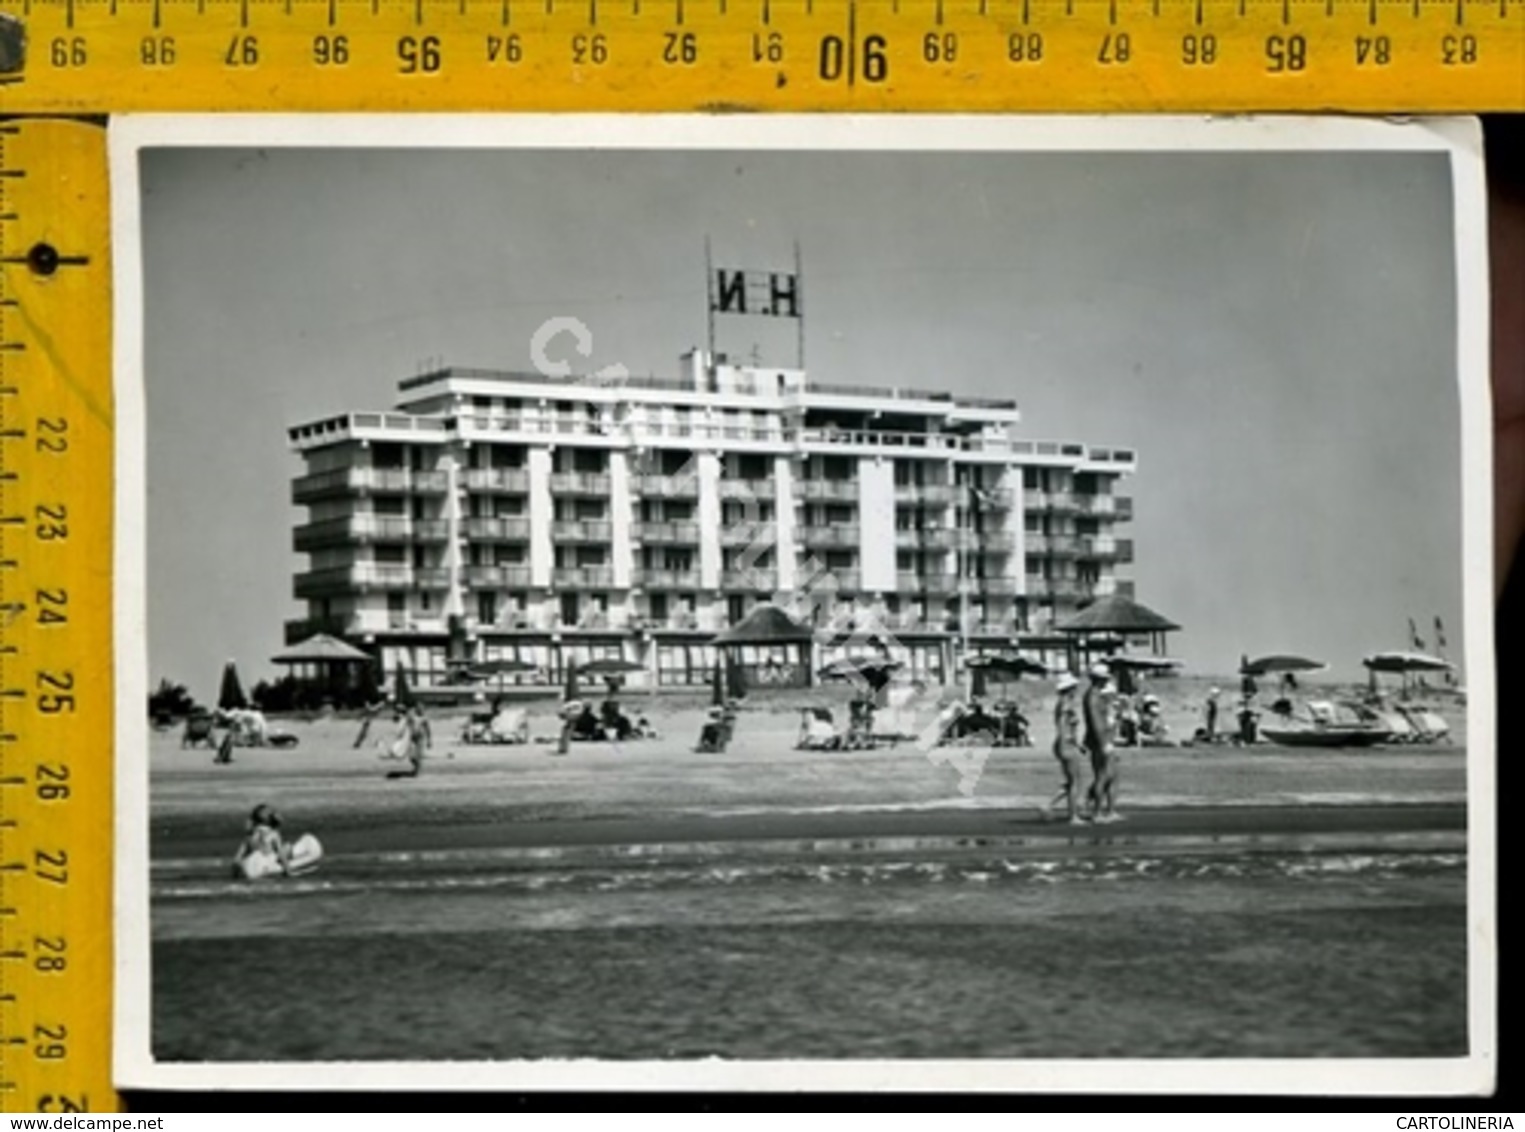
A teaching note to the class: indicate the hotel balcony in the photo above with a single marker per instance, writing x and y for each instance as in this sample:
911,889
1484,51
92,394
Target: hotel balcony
583,577
430,530
669,533
498,577
999,587
1056,589
582,530
681,621
352,529
836,534
358,577
752,581
989,498
485,529
668,487
1060,502
763,489
927,538
1102,547
505,481
844,581
348,481
580,483
745,534
941,585
655,579
837,490
1055,546
1120,507
929,494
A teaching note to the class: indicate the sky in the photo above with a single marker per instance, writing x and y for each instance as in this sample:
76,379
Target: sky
1272,333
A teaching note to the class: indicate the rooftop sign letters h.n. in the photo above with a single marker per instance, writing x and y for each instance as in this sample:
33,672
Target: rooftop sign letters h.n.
772,293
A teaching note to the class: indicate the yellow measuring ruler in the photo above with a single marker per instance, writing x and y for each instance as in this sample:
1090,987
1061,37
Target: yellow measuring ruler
100,57
106,56
55,609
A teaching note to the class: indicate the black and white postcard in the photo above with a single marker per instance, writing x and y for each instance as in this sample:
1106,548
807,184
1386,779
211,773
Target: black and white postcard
774,602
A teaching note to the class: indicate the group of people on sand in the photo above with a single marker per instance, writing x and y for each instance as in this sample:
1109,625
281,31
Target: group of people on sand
1084,733
581,723
1001,724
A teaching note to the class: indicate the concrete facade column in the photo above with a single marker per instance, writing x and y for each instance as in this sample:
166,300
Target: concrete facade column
786,542
1014,486
541,510
709,519
876,524
621,518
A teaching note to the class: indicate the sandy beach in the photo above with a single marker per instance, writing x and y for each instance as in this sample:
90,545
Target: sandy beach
643,900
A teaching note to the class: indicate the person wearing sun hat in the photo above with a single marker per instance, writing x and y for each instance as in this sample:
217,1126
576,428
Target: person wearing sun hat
1096,709
1067,746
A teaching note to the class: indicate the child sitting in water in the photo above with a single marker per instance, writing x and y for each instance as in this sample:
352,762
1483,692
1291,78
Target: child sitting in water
264,851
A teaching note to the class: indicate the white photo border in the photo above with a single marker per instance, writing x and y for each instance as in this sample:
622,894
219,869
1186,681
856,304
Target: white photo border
1459,139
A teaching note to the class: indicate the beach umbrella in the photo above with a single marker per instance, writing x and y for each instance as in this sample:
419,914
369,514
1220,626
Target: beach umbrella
1279,662
402,694
1142,663
874,671
230,696
1007,664
1406,662
717,686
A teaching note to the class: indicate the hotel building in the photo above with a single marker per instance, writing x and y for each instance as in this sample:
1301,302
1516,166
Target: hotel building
498,515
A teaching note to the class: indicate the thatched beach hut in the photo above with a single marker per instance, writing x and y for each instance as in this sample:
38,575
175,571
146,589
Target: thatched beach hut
768,648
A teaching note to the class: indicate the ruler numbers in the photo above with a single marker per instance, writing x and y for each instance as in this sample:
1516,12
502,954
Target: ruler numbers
773,54
54,908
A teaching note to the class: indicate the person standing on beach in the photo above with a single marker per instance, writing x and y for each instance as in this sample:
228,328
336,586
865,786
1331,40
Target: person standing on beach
415,740
1096,709
571,712
1210,732
1067,747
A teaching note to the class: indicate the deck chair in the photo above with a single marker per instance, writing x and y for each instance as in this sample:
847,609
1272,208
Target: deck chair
818,731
